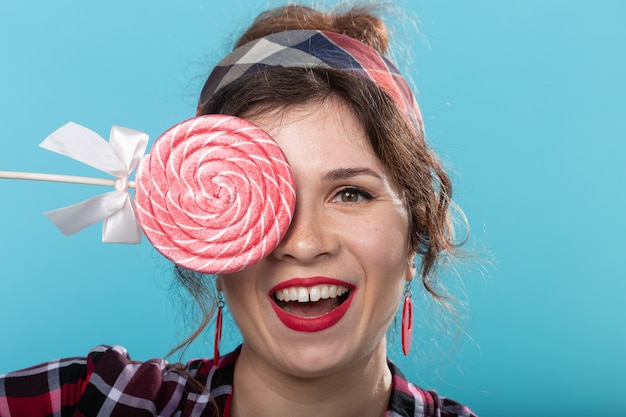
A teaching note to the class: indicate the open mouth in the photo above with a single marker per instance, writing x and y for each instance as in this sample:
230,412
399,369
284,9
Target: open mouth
310,302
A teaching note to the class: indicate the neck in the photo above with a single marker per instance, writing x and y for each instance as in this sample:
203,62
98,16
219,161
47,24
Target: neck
362,389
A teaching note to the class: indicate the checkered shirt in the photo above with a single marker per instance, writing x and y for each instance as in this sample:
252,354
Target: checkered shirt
108,383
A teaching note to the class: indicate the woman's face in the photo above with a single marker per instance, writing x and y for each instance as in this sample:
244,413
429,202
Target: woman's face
324,298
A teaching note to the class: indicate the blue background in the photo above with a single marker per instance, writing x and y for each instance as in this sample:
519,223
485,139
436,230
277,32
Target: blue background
523,98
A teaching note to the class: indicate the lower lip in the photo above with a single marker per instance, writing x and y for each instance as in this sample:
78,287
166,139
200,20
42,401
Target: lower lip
313,324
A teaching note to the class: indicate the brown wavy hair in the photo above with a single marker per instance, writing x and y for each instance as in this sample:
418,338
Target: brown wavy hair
411,163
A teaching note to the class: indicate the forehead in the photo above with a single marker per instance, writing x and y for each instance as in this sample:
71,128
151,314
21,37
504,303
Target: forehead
318,132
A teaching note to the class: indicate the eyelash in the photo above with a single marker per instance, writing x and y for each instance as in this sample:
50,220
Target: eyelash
359,192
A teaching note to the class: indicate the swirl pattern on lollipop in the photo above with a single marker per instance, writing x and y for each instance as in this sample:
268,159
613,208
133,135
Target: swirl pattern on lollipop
215,194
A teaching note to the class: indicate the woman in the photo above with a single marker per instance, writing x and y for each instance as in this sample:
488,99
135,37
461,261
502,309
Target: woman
371,199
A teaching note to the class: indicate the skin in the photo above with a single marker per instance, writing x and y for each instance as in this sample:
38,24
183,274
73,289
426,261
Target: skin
350,227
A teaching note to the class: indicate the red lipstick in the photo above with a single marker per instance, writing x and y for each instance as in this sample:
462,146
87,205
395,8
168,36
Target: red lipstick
311,324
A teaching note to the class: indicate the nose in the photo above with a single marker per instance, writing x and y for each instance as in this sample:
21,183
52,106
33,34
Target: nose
310,236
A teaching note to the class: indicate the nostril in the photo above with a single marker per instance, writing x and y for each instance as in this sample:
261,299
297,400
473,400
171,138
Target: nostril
306,241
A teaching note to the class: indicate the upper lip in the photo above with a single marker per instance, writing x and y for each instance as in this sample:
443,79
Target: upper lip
308,282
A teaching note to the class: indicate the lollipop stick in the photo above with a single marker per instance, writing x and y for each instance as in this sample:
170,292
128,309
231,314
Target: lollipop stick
60,178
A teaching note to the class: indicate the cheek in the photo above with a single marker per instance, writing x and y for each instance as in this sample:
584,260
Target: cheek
239,292
387,243
384,259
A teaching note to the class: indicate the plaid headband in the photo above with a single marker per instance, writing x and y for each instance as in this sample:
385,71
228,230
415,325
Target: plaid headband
310,49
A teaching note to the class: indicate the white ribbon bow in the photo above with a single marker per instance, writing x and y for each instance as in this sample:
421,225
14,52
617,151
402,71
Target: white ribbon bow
118,157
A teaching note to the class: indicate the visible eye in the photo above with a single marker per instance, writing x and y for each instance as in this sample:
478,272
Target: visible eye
352,195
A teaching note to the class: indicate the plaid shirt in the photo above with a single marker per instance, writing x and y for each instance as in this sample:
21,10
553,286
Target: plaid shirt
108,383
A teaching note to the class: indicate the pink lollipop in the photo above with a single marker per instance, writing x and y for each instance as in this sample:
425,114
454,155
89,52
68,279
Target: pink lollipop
215,194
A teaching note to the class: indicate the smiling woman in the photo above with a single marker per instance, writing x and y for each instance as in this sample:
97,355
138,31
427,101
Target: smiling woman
355,245
372,212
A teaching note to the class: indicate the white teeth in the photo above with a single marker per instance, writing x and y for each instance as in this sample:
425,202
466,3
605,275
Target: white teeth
303,295
313,294
324,293
332,291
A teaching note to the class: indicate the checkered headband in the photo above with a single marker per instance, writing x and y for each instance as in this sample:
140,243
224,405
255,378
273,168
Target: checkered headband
310,49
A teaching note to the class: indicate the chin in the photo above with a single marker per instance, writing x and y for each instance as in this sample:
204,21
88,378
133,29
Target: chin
308,360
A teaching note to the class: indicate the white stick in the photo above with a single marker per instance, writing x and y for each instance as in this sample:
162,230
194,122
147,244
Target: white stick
60,178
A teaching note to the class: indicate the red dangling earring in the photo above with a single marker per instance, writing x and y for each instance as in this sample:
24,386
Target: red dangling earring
407,320
218,328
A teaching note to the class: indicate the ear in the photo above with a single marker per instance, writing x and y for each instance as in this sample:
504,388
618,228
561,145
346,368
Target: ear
218,283
411,269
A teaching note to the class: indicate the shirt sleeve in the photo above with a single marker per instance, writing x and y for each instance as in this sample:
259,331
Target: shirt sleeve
51,388
106,381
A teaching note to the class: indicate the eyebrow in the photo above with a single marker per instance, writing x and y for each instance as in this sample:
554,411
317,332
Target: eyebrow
347,173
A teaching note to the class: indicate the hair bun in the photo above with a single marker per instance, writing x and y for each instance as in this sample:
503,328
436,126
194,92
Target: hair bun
359,23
